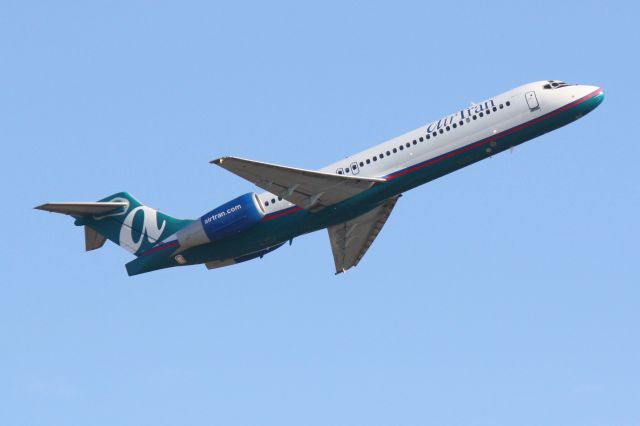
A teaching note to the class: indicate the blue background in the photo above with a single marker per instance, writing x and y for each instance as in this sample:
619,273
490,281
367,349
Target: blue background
505,293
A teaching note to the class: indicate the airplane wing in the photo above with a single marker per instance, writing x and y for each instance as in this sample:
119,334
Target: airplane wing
307,189
351,240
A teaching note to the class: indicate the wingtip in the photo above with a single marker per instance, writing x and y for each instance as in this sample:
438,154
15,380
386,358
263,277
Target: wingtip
46,207
219,161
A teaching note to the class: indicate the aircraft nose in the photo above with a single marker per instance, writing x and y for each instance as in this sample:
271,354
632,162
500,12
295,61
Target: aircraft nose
599,97
594,96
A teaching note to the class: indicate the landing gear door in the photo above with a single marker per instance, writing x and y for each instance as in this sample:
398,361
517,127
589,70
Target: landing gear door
532,101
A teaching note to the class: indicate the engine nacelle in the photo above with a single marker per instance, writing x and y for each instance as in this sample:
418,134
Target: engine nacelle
229,219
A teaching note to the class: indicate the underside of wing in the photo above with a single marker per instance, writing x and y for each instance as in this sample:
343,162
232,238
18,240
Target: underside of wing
307,189
351,240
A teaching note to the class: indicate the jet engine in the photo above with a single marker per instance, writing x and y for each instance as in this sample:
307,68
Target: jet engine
224,221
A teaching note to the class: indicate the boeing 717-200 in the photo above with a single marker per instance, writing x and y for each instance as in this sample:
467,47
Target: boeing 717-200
352,198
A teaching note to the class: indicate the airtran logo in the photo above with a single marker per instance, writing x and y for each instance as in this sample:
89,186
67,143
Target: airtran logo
148,229
461,115
221,214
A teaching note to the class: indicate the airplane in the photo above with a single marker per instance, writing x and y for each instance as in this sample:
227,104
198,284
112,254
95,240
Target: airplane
351,198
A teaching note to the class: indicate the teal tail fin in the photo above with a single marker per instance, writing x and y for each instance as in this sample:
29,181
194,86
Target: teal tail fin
134,227
122,219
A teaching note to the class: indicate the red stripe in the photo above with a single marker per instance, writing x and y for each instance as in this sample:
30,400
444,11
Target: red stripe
281,213
160,247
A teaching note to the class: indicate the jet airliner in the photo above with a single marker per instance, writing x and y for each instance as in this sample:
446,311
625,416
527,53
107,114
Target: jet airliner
351,198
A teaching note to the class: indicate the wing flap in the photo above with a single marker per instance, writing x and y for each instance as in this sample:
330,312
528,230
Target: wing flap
308,189
351,240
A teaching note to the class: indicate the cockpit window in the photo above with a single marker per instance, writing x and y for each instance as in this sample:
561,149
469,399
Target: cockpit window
554,84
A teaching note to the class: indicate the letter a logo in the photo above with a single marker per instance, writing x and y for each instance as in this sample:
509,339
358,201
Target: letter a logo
150,229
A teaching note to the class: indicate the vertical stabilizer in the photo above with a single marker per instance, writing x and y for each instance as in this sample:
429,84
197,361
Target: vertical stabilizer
122,219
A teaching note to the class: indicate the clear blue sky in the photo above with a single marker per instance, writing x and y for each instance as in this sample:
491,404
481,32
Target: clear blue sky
506,293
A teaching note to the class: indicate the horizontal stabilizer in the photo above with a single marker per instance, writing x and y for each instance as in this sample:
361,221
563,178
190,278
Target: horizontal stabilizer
83,209
92,239
308,189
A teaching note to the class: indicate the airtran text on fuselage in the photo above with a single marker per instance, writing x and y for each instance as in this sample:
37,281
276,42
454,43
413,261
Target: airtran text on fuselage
221,214
463,114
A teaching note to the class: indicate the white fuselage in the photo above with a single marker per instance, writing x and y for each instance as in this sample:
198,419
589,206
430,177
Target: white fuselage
459,129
